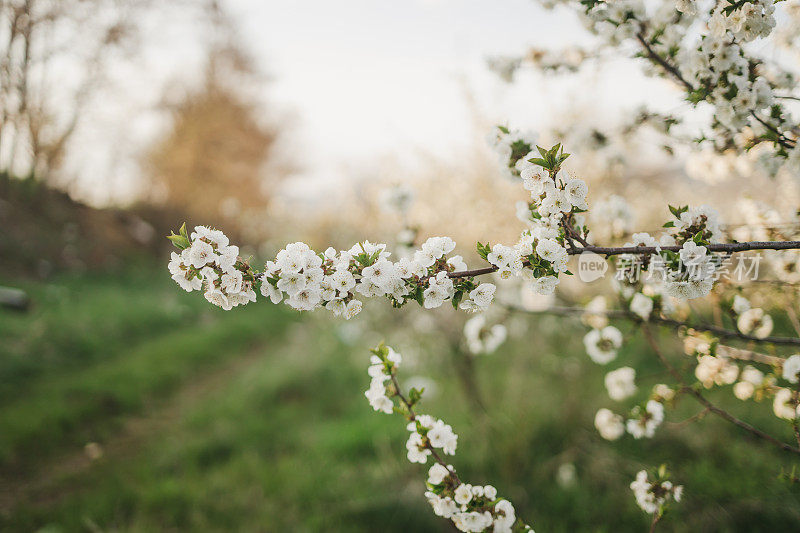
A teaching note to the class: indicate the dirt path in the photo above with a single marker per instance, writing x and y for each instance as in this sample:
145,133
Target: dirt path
49,481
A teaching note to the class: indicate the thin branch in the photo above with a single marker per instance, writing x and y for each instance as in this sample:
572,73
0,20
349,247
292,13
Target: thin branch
795,424
782,139
671,69
693,418
675,73
654,523
648,250
622,313
413,416
707,404
719,247
790,312
748,355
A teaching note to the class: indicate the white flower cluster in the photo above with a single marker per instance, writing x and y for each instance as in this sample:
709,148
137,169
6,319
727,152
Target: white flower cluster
712,370
554,214
510,147
652,496
482,338
613,215
720,64
617,21
602,343
642,424
753,19
380,370
750,379
536,260
209,263
716,368
754,321
643,421
334,279
683,275
695,276
740,87
701,219
427,434
553,197
471,508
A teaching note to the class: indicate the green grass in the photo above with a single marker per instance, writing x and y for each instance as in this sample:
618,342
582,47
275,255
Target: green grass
78,320
256,421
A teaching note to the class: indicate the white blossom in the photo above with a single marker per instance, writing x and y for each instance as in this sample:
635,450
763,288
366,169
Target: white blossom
609,425
713,370
783,405
652,496
620,383
645,420
755,322
437,473
463,494
791,368
641,306
482,338
602,344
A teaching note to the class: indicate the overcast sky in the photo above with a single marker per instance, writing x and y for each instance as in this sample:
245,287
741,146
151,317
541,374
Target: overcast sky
362,79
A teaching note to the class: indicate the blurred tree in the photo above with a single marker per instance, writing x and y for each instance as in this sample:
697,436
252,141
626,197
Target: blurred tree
53,58
213,159
214,163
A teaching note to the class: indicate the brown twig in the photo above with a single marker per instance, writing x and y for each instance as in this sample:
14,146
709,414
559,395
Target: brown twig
622,313
663,63
707,404
693,418
748,355
609,251
413,416
673,71
792,314
656,519
795,424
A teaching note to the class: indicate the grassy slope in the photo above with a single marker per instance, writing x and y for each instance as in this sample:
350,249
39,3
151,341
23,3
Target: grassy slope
284,440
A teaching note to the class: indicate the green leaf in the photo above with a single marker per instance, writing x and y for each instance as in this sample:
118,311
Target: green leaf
457,299
483,250
415,395
179,241
418,296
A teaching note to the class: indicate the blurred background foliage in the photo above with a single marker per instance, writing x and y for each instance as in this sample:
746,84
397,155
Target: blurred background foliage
128,405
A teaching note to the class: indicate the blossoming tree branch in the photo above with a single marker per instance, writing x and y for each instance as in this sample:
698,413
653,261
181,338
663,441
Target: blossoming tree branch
704,48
